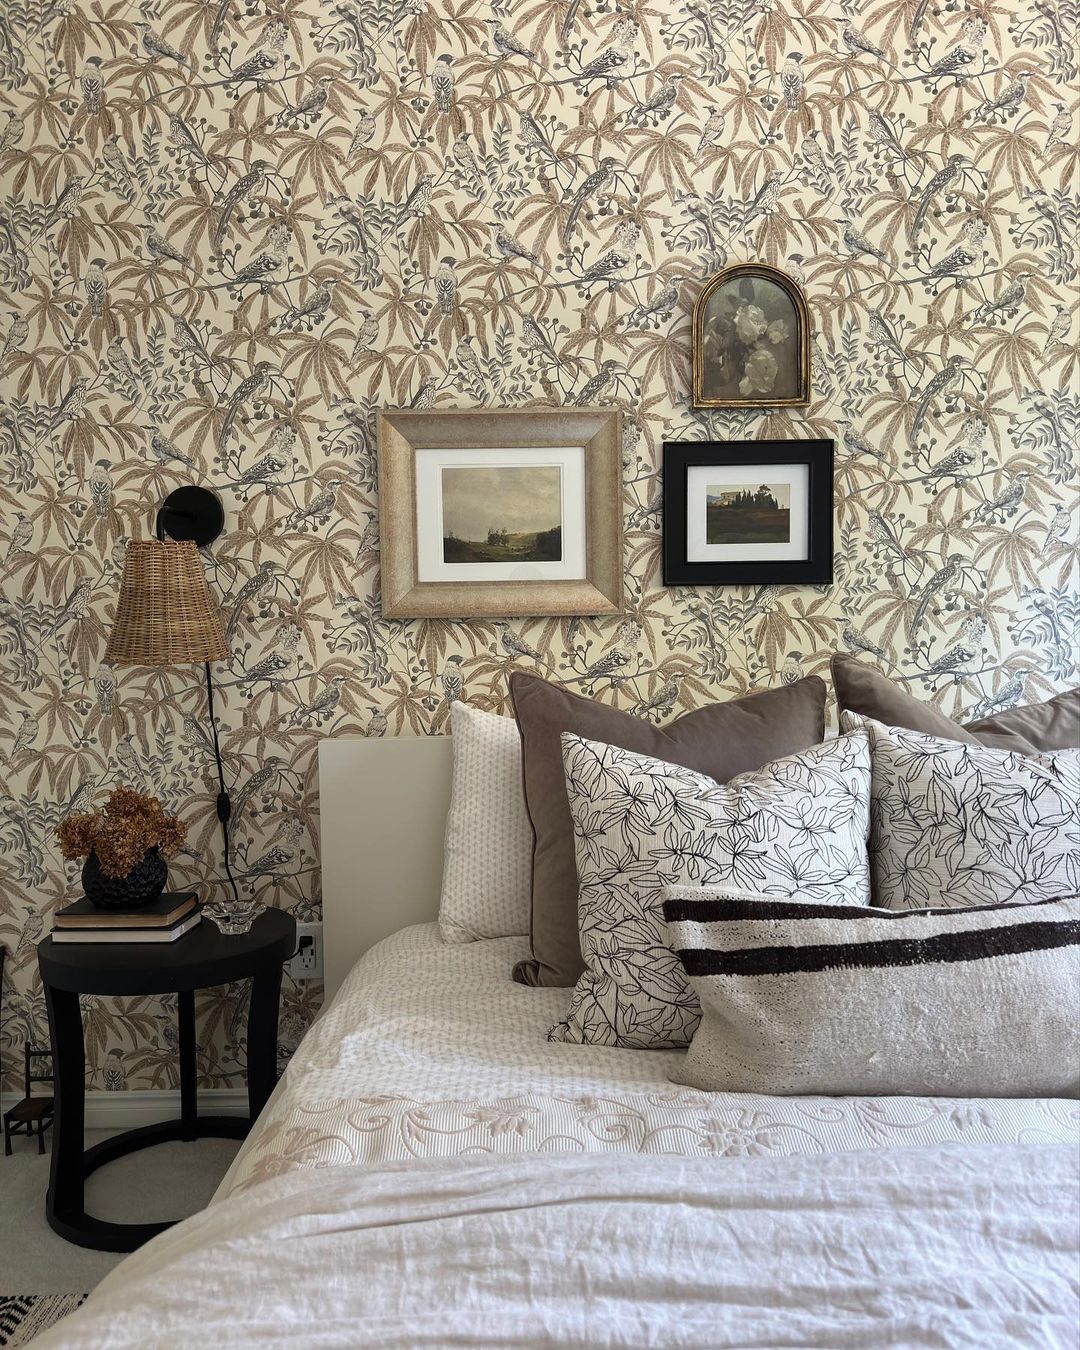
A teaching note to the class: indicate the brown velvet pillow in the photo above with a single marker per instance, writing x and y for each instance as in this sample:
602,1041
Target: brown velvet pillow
1053,725
721,740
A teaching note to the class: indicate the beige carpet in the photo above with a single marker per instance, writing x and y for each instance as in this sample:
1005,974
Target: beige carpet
170,1181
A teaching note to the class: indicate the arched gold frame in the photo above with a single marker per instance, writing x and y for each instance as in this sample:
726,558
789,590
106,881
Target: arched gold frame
794,293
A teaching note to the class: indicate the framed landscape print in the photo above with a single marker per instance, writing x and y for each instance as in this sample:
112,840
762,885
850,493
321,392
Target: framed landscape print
751,340
500,514
748,513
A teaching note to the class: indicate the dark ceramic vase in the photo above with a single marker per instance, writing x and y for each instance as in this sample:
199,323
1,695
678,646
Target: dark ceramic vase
143,883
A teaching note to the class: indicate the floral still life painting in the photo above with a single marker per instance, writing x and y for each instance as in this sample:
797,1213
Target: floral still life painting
751,340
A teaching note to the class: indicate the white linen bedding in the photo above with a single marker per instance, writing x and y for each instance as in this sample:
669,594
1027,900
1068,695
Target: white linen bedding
959,1246
430,1050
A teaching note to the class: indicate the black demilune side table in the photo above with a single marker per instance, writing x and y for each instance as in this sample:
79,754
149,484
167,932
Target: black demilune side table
200,959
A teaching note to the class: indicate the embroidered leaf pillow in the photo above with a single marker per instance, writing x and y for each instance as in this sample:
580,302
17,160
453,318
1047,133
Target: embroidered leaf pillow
795,828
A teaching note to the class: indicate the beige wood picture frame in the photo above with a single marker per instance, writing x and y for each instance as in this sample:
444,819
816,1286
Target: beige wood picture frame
402,432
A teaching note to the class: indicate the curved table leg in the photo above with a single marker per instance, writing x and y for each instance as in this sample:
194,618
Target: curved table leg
64,1199
262,1038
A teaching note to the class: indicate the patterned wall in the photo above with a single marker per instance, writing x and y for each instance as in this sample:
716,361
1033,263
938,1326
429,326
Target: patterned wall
229,231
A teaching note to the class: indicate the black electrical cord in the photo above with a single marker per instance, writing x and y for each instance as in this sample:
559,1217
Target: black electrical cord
224,804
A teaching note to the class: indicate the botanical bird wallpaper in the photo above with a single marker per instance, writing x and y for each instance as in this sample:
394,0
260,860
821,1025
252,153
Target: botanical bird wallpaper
230,230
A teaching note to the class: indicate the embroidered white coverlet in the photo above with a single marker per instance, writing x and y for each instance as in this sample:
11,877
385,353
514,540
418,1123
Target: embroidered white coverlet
914,1247
431,1050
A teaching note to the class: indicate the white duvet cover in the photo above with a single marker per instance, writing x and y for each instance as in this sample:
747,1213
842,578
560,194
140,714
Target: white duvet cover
960,1246
433,1172
431,1050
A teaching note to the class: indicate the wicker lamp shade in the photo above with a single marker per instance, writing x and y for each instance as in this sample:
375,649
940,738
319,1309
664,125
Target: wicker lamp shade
165,616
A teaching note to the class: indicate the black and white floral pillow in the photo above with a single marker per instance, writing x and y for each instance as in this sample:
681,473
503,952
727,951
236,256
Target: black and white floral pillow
795,828
956,825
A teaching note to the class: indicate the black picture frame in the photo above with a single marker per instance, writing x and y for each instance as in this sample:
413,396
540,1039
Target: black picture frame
814,570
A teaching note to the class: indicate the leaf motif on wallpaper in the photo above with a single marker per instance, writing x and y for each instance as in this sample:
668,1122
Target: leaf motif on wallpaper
226,239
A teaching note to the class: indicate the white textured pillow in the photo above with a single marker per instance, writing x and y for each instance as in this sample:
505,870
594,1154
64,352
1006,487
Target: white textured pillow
815,999
487,871
954,825
796,827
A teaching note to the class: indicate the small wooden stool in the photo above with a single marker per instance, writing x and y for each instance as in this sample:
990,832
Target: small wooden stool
31,1111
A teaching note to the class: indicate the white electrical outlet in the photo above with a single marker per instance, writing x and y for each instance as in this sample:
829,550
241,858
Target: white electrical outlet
307,964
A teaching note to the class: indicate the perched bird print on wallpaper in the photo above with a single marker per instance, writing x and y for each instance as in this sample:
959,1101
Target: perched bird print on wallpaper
105,691
934,188
507,45
941,580
446,286
1007,303
465,159
535,138
1060,127
95,287
178,193
1007,696
511,248
944,381
12,131
442,83
323,704
366,333
183,138
594,187
73,404
662,703
263,578
363,133
1058,330
92,85
318,510
161,250
858,44
101,488
514,645
67,203
1007,102
246,186
248,390
659,104
309,108
424,397
156,47
856,242
17,330
1006,503
712,133
164,450
883,535
791,81
857,642
21,534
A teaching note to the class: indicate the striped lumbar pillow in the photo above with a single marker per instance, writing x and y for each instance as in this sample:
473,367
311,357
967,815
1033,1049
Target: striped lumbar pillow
804,998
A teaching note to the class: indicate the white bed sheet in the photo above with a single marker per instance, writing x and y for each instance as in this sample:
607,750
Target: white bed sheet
430,1050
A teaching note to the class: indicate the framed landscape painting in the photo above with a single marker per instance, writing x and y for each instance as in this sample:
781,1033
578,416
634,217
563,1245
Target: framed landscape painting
748,513
751,340
500,514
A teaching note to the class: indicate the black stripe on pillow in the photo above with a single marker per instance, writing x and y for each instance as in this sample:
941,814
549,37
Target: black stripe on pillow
715,911
943,947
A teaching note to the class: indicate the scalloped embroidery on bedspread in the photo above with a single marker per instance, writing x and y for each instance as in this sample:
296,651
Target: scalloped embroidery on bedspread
373,1131
430,1050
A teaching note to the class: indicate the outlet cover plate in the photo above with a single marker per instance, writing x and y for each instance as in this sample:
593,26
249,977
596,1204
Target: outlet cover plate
307,964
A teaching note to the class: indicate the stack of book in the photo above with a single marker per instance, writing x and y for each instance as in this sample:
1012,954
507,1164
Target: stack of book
165,919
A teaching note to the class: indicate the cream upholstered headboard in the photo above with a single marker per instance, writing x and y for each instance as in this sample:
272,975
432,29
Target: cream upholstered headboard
382,808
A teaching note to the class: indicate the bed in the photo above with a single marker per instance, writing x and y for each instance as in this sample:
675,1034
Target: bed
433,1171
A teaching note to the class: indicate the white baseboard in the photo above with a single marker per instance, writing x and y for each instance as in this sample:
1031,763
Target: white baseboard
126,1110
